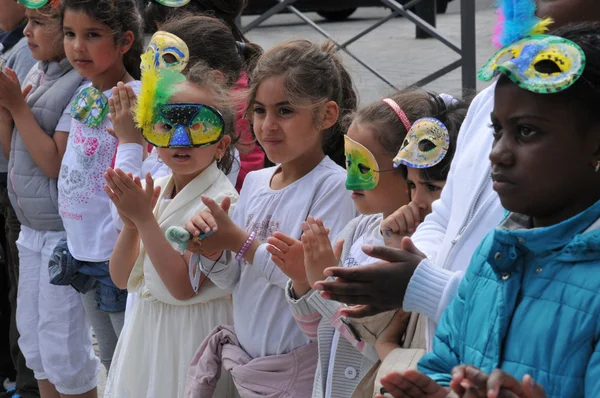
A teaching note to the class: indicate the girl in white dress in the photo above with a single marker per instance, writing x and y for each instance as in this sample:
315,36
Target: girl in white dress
177,305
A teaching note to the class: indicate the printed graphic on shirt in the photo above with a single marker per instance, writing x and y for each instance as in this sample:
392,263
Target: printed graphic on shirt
264,229
89,153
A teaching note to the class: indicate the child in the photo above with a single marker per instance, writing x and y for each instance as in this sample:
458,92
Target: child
55,339
299,95
15,55
103,41
177,307
529,301
162,12
376,135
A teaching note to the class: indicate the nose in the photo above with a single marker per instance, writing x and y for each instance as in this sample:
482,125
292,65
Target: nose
78,45
421,199
501,154
27,31
270,122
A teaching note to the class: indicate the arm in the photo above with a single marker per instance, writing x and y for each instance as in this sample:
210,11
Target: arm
305,315
124,256
439,363
6,129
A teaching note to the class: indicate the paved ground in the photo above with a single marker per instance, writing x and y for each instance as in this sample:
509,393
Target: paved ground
391,49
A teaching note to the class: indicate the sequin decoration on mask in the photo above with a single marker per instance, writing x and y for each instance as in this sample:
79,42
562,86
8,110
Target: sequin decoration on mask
173,3
90,107
541,64
361,166
168,51
425,145
186,126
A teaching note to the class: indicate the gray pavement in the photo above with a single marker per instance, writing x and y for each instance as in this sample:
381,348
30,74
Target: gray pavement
391,49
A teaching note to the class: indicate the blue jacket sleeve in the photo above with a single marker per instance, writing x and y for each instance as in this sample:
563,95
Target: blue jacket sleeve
592,375
439,363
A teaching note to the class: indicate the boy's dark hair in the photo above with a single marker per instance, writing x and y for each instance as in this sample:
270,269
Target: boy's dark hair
314,75
586,89
209,40
202,75
416,104
120,16
225,10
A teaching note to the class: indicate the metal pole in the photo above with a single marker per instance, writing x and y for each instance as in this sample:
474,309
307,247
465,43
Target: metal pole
468,47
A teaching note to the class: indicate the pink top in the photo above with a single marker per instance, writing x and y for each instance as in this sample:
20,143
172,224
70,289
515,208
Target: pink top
251,155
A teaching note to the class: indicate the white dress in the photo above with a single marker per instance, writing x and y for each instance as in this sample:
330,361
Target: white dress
162,334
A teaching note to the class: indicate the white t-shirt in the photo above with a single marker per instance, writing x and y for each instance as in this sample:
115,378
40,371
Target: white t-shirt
355,257
82,202
263,320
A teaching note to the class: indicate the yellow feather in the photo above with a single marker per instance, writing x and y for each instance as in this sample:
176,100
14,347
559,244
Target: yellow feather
143,110
542,26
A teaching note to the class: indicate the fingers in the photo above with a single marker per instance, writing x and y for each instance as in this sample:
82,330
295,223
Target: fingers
467,378
360,311
226,204
384,253
337,250
364,273
203,222
502,380
123,97
116,100
111,177
409,246
155,196
111,131
415,214
149,185
287,240
111,195
277,260
280,245
27,90
532,389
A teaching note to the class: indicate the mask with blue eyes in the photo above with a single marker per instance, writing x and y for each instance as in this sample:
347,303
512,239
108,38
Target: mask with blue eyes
542,64
168,52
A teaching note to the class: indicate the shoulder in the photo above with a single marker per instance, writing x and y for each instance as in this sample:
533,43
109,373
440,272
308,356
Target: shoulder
136,85
20,55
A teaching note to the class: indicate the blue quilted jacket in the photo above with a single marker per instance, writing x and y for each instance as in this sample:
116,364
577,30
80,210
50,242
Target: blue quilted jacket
529,304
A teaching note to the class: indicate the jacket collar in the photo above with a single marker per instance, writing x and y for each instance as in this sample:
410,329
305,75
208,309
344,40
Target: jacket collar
191,192
575,239
53,70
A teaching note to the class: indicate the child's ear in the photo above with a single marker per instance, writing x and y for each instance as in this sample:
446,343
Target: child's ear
126,42
222,146
330,115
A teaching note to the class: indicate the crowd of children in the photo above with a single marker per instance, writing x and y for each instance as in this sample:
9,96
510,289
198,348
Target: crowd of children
418,246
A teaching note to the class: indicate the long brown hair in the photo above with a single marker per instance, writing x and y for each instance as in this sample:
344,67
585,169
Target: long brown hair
313,74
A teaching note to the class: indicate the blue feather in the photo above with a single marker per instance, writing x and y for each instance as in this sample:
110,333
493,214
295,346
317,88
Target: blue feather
517,20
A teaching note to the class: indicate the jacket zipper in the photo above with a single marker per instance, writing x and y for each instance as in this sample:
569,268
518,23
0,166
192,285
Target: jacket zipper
471,213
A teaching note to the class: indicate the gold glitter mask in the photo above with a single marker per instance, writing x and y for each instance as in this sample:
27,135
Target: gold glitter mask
168,51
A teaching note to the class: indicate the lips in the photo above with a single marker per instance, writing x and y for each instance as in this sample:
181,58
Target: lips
502,183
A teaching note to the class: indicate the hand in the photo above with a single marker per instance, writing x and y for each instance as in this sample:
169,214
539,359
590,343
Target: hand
403,222
10,90
131,199
123,127
226,235
503,385
375,287
390,337
469,382
318,253
413,384
288,254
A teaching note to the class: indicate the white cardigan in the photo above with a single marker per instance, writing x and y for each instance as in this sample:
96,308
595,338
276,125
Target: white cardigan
467,210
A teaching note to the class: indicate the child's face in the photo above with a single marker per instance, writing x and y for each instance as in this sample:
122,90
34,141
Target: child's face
42,32
390,193
192,161
543,154
90,45
12,14
568,11
286,132
423,192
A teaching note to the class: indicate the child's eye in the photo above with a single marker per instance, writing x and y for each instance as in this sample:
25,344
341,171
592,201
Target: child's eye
497,130
526,132
69,34
411,185
432,188
259,110
285,111
363,169
93,35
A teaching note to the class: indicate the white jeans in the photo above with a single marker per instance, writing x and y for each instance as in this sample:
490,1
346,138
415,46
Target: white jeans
55,337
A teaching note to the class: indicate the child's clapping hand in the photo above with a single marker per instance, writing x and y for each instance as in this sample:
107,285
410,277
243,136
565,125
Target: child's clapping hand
318,253
413,384
288,254
470,382
403,222
123,126
134,202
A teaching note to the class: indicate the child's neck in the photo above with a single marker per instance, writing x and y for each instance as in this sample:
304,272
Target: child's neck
294,170
182,180
109,78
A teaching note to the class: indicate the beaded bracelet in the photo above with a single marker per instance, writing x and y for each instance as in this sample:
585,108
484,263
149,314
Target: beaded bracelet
244,248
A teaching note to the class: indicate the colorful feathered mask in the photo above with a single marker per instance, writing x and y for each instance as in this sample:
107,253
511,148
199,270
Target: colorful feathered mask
173,125
535,61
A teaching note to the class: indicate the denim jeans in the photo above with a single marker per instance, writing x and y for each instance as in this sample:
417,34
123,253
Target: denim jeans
84,276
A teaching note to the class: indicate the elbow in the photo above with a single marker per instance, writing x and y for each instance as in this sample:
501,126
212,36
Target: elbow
121,284
51,172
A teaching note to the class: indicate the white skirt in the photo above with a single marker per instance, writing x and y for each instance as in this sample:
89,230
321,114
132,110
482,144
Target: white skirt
157,344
